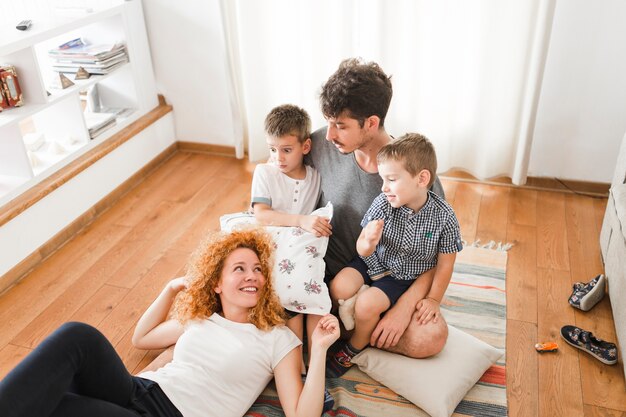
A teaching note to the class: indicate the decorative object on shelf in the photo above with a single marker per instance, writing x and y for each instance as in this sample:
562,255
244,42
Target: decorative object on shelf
10,87
67,141
92,98
56,148
60,81
24,24
3,102
33,141
82,74
34,159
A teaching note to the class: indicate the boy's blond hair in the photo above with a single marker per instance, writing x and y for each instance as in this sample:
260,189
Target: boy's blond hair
288,120
414,151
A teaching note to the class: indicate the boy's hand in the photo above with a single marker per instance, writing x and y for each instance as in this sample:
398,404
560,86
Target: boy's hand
427,309
319,226
372,232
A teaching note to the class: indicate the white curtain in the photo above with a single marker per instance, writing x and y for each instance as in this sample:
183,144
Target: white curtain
467,74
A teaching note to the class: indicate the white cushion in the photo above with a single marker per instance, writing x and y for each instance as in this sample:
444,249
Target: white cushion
299,269
436,384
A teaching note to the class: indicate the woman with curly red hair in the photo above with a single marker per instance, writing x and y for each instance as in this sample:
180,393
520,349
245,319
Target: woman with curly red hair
230,340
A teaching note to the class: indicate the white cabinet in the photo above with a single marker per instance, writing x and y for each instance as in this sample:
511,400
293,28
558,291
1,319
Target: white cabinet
50,129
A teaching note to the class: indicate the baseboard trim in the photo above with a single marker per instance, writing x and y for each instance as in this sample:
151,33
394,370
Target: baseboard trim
588,188
208,148
21,203
15,274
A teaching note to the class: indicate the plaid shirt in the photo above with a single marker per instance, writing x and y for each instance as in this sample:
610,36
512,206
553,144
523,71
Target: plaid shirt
411,241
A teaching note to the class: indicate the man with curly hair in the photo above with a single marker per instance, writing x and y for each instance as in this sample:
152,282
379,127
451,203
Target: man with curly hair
354,101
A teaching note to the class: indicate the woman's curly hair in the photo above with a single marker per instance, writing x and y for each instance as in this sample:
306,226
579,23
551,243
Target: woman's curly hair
204,272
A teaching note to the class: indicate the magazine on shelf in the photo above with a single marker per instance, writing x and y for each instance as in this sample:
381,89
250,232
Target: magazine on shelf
92,69
70,60
95,59
98,122
101,51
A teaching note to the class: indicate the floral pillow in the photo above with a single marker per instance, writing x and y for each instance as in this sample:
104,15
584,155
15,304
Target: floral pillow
299,269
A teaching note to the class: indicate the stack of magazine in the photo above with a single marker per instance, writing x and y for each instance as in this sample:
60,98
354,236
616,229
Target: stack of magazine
98,122
95,59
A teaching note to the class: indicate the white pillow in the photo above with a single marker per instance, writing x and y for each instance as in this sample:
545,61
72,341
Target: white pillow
436,384
299,270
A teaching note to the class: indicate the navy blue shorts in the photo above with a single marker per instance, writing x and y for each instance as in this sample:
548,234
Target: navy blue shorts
393,288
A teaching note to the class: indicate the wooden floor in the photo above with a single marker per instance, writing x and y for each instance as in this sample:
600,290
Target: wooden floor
110,272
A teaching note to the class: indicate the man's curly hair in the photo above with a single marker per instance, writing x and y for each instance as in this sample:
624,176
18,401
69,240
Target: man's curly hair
204,272
359,88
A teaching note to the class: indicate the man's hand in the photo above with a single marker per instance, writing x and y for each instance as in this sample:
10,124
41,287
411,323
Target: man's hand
427,309
391,327
319,226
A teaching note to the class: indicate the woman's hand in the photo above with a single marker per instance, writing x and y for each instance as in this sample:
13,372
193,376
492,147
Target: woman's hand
154,330
178,284
326,332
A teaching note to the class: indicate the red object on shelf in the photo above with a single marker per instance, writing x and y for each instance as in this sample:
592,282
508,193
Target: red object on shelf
10,88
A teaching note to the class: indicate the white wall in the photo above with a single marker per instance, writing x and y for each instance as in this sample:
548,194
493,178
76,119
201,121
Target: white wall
582,108
188,56
38,224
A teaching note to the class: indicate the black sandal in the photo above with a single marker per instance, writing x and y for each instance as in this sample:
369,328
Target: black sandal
605,352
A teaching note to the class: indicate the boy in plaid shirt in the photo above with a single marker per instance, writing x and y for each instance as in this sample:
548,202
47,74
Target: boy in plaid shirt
407,231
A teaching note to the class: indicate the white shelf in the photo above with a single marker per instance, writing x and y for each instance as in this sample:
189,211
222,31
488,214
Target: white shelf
55,25
60,113
17,114
56,94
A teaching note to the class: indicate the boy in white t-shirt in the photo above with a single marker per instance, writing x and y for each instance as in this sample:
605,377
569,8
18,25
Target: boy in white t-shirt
284,190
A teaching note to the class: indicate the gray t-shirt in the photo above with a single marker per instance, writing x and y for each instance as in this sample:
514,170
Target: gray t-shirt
351,191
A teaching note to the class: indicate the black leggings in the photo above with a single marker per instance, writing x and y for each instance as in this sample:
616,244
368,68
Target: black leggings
76,372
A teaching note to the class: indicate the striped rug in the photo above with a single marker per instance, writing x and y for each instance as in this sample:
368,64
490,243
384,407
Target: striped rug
475,302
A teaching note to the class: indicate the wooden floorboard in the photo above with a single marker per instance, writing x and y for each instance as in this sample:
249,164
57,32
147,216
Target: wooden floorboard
493,215
551,232
111,271
560,391
521,378
521,274
466,204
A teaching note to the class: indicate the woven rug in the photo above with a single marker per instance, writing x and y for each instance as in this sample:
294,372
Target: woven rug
475,302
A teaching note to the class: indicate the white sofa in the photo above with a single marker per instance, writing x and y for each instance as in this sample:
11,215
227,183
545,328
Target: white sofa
613,247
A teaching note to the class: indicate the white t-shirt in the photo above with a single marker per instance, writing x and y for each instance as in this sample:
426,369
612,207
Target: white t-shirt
220,367
284,194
